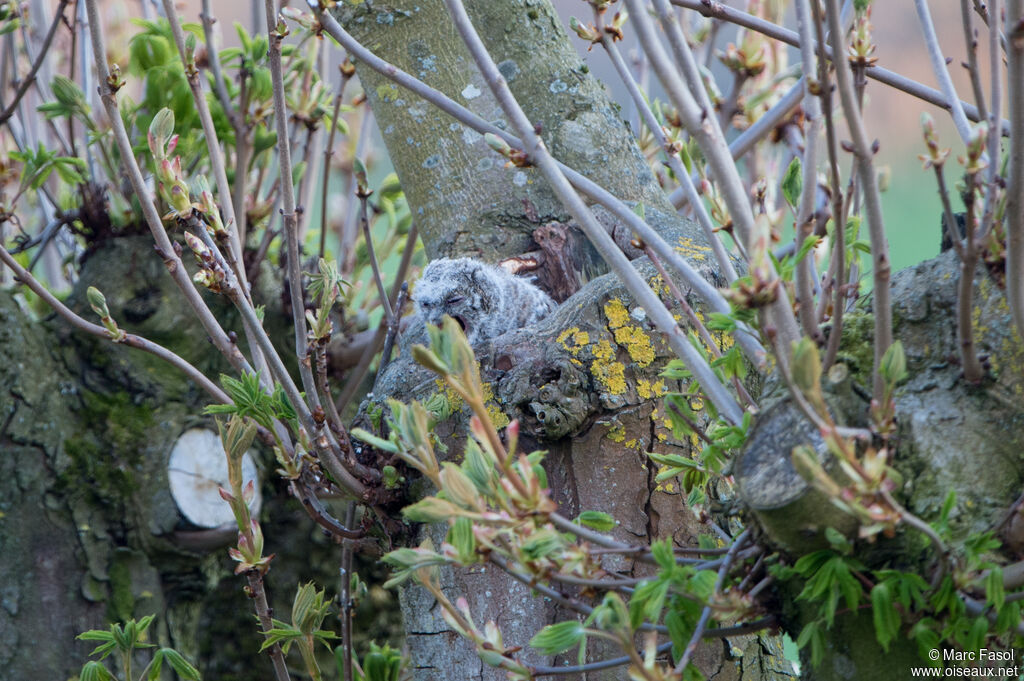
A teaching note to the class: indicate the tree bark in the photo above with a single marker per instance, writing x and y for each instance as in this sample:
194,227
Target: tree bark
583,382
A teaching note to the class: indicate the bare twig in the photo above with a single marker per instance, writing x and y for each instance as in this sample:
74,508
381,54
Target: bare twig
258,593
610,663
30,77
364,222
872,201
131,340
346,74
675,163
234,115
705,614
389,339
931,95
971,42
174,265
938,60
809,168
295,286
1015,182
703,126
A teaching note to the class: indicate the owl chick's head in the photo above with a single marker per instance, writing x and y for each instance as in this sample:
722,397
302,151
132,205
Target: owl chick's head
460,288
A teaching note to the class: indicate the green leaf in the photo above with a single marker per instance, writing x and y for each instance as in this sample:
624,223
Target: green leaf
806,366
995,589
894,364
180,665
647,602
461,537
886,618
807,246
597,520
557,638
94,671
792,183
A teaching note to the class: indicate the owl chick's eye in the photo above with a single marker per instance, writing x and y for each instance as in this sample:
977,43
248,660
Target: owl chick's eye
454,300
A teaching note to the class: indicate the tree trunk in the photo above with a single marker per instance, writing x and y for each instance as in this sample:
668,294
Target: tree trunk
89,531
583,382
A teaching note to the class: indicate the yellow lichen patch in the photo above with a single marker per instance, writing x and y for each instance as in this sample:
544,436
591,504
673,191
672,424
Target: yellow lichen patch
691,250
387,92
611,375
616,313
633,444
637,344
573,340
453,398
617,433
659,388
643,389
499,419
662,437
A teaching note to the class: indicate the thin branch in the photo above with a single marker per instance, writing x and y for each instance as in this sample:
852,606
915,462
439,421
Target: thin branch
971,43
346,74
675,163
287,196
872,201
131,340
924,17
703,126
174,265
705,614
602,241
385,302
236,117
1015,182
610,663
809,167
30,77
886,77
257,591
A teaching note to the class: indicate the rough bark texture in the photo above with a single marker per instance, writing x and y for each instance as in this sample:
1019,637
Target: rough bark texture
583,382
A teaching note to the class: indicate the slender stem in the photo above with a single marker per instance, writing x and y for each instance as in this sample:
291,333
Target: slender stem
216,156
938,60
328,153
347,605
971,42
30,77
602,241
872,201
295,287
675,163
389,339
886,77
995,57
809,191
703,126
258,593
174,265
1015,182
131,340
236,117
705,614
385,301
593,666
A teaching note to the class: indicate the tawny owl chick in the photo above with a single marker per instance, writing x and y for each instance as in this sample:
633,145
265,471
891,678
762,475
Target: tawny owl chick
484,299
